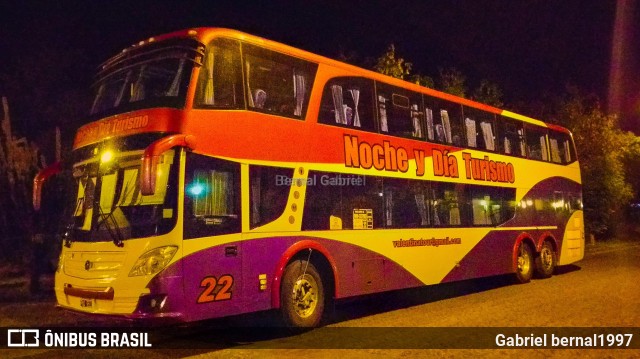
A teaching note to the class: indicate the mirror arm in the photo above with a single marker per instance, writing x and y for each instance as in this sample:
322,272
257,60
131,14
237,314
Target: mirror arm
152,155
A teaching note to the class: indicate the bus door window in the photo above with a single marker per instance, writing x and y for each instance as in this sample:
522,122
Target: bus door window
347,102
448,123
276,83
537,143
220,80
512,138
212,197
479,127
399,111
268,193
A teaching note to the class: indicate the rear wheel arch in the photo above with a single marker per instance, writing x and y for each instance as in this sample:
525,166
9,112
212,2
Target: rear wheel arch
321,259
306,289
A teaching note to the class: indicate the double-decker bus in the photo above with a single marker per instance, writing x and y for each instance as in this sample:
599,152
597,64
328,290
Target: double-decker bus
222,173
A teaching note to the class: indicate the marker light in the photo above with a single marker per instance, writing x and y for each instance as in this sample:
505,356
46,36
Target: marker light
107,156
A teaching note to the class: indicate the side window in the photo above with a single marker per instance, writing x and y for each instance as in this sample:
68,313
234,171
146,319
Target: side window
561,147
276,83
362,205
212,197
448,205
399,111
220,80
480,130
348,102
268,193
405,204
511,138
491,205
536,143
339,201
448,123
429,108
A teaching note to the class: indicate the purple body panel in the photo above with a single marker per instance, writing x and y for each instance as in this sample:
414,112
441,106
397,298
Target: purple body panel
359,271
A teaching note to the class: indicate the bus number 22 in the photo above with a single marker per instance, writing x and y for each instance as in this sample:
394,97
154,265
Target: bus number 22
215,289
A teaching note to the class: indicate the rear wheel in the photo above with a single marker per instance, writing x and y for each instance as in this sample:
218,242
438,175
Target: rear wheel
302,295
524,263
546,261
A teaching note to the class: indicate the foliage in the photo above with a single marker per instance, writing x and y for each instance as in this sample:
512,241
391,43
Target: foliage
602,146
453,81
391,65
422,80
19,162
488,93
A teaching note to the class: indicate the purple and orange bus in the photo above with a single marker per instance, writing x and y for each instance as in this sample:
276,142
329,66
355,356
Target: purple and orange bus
220,173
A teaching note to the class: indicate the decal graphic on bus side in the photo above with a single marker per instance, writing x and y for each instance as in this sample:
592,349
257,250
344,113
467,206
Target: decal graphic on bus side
395,158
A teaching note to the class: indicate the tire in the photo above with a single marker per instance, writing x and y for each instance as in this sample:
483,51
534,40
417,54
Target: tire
524,263
302,295
546,261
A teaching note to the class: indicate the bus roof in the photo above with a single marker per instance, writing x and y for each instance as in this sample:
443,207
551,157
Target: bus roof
206,34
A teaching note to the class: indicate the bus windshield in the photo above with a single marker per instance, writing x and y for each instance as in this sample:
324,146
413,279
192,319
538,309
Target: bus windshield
108,203
154,75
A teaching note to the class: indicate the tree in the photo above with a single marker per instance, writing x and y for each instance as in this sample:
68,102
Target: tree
488,93
391,65
601,147
452,81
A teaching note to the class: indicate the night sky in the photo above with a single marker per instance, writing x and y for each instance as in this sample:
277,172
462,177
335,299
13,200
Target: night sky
528,47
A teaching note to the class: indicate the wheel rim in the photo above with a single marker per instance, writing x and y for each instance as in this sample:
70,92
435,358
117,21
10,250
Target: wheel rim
305,296
524,260
546,255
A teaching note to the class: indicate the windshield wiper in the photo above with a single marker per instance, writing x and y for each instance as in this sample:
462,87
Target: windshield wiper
115,232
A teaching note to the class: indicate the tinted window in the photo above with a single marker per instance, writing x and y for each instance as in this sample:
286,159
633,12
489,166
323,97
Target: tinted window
537,143
276,83
399,111
511,140
480,129
348,102
220,81
368,202
212,197
447,123
561,147
269,192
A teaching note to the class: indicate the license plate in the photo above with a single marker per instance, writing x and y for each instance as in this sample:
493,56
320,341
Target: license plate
86,303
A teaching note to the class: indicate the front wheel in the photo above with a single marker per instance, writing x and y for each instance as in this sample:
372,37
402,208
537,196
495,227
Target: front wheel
524,263
546,261
301,295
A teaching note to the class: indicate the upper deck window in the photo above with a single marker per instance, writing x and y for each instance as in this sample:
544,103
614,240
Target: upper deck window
155,75
561,146
480,129
399,111
512,138
276,83
444,122
220,80
536,143
347,102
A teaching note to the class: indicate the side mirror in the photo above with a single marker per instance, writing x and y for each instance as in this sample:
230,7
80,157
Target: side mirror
39,181
152,155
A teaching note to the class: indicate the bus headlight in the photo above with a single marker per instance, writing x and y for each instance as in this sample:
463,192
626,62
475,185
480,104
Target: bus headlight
153,261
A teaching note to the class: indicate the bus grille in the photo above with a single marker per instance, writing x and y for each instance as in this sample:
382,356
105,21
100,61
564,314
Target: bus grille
93,265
